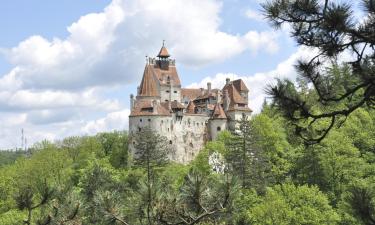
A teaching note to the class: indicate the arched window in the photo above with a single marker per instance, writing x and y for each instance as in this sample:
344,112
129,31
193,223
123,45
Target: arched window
218,128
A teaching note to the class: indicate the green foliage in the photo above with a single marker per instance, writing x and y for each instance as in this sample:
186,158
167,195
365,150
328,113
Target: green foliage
9,157
270,137
89,180
290,204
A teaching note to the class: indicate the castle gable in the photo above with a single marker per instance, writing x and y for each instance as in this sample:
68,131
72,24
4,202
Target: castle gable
148,87
187,117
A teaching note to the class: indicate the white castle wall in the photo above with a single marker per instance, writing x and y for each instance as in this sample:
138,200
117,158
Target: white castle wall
168,93
187,135
216,126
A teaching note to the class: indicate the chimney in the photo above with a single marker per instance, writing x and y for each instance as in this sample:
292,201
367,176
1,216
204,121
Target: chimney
227,81
209,87
219,97
226,100
131,101
202,91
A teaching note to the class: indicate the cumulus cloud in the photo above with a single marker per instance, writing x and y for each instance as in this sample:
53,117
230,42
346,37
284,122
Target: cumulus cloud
253,14
257,82
118,120
57,87
109,47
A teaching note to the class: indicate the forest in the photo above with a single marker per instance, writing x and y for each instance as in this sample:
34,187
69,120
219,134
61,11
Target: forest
265,175
307,158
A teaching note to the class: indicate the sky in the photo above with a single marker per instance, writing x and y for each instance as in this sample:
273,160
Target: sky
68,67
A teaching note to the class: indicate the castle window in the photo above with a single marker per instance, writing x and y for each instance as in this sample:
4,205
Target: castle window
167,91
170,142
149,120
133,142
139,129
140,120
166,100
175,92
218,128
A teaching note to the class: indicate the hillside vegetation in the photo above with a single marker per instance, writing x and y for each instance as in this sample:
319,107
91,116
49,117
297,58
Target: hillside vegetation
261,175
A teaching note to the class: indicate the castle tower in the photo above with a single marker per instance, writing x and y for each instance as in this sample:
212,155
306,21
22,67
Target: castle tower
217,122
186,117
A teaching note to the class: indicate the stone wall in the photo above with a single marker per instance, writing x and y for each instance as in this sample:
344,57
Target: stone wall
186,135
216,126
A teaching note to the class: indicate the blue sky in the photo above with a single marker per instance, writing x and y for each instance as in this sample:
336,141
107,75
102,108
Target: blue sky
68,67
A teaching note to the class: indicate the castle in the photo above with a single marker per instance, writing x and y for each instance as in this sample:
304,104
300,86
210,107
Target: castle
187,117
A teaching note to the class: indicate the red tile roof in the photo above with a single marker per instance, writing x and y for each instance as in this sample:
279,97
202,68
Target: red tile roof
190,93
190,108
240,85
145,108
166,74
148,85
163,53
218,112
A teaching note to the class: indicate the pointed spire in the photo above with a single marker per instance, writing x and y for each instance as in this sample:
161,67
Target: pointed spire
163,53
218,112
190,108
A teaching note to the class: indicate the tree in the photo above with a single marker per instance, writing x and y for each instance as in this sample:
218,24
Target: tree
151,150
290,204
201,199
340,85
270,138
358,203
245,159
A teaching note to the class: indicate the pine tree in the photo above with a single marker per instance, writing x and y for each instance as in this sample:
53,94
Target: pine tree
246,160
339,84
151,150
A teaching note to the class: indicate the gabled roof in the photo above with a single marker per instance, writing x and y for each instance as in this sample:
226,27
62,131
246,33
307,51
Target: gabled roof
234,95
190,108
163,53
146,108
213,93
190,93
218,112
166,74
240,85
177,105
148,85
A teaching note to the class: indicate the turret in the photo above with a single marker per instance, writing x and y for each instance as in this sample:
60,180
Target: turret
209,87
163,57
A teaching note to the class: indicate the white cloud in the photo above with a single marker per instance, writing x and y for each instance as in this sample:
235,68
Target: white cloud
58,87
253,14
109,47
118,120
259,81
48,99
